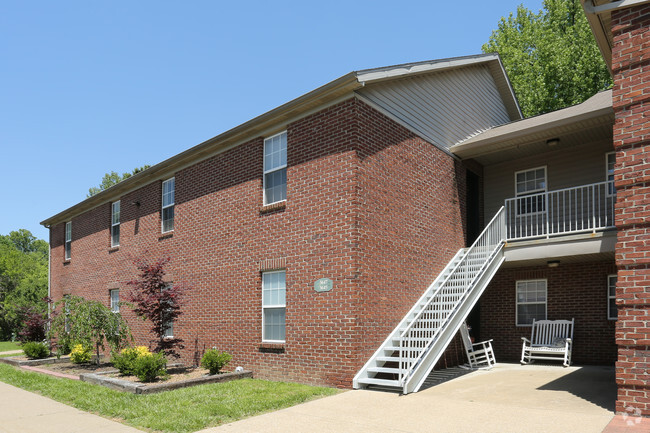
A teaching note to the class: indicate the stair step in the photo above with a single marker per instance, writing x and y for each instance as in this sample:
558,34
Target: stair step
412,339
384,370
392,359
380,382
397,349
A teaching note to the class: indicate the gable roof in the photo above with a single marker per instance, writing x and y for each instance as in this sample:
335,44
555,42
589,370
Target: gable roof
274,120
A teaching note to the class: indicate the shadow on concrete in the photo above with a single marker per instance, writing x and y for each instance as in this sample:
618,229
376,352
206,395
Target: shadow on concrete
596,384
438,377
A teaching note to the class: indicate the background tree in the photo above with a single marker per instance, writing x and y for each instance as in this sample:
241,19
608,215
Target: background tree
90,323
551,56
113,178
23,278
158,302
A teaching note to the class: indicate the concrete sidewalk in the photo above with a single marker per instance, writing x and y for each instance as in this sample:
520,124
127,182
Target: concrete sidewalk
509,398
24,412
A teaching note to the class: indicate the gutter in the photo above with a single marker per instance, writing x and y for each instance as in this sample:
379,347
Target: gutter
590,8
594,17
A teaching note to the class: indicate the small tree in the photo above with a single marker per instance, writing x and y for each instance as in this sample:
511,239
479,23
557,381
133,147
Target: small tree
89,323
34,324
158,302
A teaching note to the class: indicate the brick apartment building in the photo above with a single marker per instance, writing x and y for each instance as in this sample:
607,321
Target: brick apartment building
309,234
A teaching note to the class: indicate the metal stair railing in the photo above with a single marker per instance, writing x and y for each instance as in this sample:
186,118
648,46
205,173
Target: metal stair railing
418,337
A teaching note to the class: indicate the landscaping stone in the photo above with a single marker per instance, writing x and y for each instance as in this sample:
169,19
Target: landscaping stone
141,388
20,361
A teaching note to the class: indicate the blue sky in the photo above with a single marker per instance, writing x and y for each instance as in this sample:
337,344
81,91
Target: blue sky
90,87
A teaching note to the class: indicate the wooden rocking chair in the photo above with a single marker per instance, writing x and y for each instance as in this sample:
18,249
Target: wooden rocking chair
480,355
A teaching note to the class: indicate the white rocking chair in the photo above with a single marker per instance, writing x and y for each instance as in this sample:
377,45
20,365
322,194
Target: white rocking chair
480,355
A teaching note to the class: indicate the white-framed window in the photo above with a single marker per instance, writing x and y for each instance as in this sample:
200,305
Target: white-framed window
168,202
612,310
610,162
274,287
168,325
275,168
115,224
115,300
68,240
66,312
531,301
528,186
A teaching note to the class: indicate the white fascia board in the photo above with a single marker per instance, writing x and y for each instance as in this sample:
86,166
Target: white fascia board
370,75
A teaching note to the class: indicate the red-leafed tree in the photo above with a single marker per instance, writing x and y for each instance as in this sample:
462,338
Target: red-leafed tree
159,302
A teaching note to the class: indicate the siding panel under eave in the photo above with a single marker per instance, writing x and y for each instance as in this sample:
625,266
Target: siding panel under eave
444,107
565,168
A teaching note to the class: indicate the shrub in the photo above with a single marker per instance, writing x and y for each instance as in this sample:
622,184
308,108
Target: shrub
36,350
124,360
214,360
80,354
63,346
148,367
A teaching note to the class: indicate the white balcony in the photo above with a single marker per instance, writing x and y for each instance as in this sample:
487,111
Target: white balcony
569,211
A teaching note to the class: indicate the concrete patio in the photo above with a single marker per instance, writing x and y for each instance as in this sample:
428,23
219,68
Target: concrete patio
508,398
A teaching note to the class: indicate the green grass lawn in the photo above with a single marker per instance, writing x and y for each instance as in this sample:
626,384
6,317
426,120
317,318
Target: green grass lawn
8,345
181,410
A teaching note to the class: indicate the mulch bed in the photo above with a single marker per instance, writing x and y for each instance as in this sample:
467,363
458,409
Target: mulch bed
77,369
175,373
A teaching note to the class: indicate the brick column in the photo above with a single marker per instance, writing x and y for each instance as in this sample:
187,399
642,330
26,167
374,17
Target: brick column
631,100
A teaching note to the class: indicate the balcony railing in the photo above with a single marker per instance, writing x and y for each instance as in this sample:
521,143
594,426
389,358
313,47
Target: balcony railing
586,208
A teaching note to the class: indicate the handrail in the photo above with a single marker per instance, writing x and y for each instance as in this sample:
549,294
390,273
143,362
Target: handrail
492,235
584,208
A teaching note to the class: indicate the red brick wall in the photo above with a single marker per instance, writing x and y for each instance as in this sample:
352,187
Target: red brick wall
631,99
411,221
367,204
574,290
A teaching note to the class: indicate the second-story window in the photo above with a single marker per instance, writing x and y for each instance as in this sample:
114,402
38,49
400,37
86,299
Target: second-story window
115,224
168,192
275,168
528,186
68,240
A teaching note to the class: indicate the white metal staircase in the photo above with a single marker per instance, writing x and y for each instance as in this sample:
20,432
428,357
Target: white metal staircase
410,352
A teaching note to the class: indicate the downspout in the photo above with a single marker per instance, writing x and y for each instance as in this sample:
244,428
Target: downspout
49,277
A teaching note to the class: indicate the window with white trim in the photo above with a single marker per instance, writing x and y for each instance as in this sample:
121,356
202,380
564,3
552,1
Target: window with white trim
275,168
168,202
66,312
273,306
610,159
168,324
528,184
531,301
115,300
115,224
612,309
68,240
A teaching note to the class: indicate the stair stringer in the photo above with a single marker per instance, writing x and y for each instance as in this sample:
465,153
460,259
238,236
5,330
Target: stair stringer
363,372
418,376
